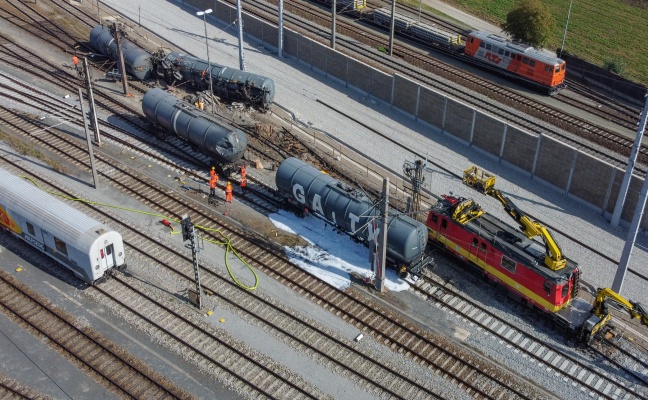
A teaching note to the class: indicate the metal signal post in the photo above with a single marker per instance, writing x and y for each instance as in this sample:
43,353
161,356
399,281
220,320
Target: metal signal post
189,233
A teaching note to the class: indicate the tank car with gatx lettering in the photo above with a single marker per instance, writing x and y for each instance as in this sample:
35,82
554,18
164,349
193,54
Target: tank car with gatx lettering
353,212
137,61
88,248
214,137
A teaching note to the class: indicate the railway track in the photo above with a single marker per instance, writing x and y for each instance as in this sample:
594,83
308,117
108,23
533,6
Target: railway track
473,374
104,361
410,63
118,108
594,380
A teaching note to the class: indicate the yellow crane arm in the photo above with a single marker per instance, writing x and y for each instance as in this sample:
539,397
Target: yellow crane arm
635,310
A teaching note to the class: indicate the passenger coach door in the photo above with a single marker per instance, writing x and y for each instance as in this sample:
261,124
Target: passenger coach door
108,256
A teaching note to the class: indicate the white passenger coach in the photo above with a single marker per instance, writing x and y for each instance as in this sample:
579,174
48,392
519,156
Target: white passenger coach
90,249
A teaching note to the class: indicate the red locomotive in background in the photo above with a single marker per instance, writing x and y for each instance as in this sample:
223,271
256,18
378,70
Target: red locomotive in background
518,59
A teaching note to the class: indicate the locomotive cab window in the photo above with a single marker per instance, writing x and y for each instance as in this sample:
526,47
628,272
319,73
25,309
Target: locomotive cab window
565,290
518,57
562,67
444,223
30,229
557,68
475,242
472,40
532,63
435,218
508,264
483,247
547,287
525,60
60,246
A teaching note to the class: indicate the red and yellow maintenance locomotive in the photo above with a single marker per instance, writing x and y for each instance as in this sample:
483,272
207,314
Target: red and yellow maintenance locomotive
517,59
538,274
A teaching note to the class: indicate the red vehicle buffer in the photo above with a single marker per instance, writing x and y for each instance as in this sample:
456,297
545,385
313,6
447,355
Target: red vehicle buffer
517,59
537,273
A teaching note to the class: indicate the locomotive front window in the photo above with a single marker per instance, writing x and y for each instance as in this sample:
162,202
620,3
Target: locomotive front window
562,67
565,290
30,229
60,246
557,68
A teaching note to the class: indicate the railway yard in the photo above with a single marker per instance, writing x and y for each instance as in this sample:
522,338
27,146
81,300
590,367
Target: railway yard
284,316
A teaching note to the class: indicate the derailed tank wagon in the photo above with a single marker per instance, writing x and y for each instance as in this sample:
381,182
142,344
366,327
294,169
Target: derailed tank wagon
229,83
137,61
215,138
352,211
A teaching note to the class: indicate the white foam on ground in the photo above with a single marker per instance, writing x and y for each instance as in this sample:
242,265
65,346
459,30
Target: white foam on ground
331,255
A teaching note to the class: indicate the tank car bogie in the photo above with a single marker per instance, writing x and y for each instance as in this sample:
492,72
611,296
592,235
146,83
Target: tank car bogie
88,248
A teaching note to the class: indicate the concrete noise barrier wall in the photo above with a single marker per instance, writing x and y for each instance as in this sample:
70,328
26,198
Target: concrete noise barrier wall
574,173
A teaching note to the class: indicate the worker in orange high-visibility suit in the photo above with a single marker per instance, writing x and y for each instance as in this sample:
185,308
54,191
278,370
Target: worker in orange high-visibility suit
243,172
243,185
212,172
75,60
228,193
212,186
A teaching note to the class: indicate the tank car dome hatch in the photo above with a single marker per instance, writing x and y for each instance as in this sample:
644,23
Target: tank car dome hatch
350,210
217,139
136,60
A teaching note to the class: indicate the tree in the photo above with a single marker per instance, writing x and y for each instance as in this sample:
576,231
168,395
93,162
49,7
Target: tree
530,22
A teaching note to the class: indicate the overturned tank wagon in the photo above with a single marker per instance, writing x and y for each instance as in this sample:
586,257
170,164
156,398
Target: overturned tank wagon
224,143
353,212
137,61
228,83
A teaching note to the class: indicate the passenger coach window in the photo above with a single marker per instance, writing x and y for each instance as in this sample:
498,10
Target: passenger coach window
507,53
30,229
532,63
525,60
488,46
500,51
481,44
60,246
